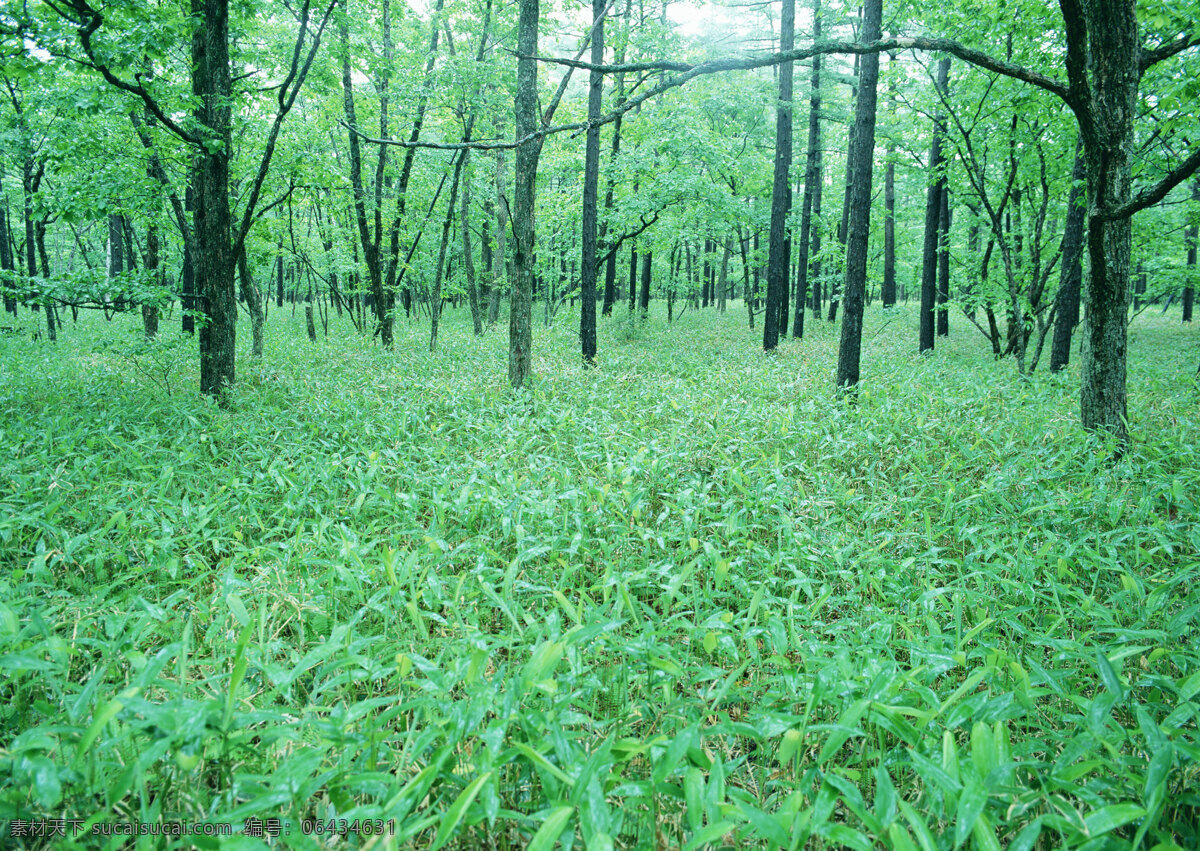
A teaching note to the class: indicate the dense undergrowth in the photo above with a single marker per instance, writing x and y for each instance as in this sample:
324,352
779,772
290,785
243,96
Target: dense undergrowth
684,600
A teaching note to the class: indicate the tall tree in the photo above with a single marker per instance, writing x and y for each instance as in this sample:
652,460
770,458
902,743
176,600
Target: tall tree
888,293
529,146
1193,236
781,193
862,154
591,181
943,284
217,241
933,218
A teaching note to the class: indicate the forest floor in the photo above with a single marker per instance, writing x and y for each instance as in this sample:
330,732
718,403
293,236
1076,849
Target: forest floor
687,599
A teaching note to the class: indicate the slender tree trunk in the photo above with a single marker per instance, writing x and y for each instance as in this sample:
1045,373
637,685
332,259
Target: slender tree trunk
591,181
888,294
6,255
255,304
187,298
1066,314
1193,236
723,279
468,254
812,177
500,255
647,261
862,156
150,311
943,286
633,270
781,193
435,303
933,211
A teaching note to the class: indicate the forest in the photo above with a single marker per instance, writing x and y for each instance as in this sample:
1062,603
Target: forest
636,424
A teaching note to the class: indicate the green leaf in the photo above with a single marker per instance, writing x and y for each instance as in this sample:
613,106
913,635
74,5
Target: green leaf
458,810
1111,817
550,830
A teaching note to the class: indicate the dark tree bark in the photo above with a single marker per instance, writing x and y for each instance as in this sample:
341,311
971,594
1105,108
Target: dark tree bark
647,263
943,286
633,270
847,199
435,302
520,327
6,258
187,300
812,177
591,181
888,294
1193,236
468,252
1066,315
500,255
933,216
212,221
862,161
781,193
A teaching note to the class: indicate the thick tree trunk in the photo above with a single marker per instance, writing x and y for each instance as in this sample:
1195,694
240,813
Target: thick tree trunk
212,225
520,327
591,185
1108,146
862,161
781,193
1066,314
933,215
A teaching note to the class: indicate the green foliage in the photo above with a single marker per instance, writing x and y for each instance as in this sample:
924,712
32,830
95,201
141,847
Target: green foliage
685,600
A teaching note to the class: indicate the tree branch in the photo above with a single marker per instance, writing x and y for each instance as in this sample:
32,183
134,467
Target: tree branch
1153,194
1166,51
942,45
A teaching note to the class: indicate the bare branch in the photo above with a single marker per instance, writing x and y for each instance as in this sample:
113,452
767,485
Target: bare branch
942,45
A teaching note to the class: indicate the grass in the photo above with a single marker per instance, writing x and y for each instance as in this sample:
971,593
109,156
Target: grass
684,600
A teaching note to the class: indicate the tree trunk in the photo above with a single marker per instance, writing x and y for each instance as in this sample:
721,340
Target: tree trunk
1066,313
1108,146
647,261
468,254
520,327
435,303
888,294
943,286
500,255
591,181
255,303
862,161
933,211
781,192
723,278
212,88
1193,236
